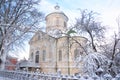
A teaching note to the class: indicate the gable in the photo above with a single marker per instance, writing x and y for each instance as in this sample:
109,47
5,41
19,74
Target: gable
40,36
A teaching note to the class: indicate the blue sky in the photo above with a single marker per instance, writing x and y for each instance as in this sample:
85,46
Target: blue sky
86,4
89,4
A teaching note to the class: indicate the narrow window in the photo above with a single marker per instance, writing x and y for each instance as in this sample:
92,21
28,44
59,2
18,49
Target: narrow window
65,24
37,57
31,56
60,55
44,55
38,36
76,53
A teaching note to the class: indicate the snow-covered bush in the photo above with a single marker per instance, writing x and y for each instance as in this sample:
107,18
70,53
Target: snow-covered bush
92,61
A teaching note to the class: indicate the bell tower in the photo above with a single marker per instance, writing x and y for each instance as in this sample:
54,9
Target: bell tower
56,21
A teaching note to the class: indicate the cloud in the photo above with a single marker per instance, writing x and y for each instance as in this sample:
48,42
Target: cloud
109,18
45,6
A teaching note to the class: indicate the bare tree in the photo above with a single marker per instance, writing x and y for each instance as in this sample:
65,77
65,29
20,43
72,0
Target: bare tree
87,23
17,19
112,51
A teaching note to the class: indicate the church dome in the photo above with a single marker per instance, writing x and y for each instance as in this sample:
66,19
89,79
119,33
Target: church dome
57,11
56,22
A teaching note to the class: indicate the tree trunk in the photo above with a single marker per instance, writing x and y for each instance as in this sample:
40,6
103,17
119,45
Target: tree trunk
113,53
68,56
93,45
3,59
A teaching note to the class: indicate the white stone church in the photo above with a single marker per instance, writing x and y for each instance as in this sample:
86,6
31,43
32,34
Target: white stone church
53,51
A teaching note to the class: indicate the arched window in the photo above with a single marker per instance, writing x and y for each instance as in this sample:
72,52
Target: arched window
37,57
44,55
76,53
60,55
65,24
31,56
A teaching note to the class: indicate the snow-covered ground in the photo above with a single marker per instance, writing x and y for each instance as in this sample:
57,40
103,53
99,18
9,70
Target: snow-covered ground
3,78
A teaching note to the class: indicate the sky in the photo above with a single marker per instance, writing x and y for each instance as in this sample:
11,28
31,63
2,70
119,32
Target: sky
109,10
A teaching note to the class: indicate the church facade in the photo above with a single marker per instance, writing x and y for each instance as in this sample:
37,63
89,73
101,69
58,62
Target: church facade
52,50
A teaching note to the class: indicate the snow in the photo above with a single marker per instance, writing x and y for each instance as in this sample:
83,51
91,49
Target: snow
3,78
107,75
91,62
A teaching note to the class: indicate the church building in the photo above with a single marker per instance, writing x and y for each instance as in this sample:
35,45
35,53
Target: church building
54,51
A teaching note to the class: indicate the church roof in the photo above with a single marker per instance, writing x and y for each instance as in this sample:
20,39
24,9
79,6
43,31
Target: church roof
27,63
40,32
57,11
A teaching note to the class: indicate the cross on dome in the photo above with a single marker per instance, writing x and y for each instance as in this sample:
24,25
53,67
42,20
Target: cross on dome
57,7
